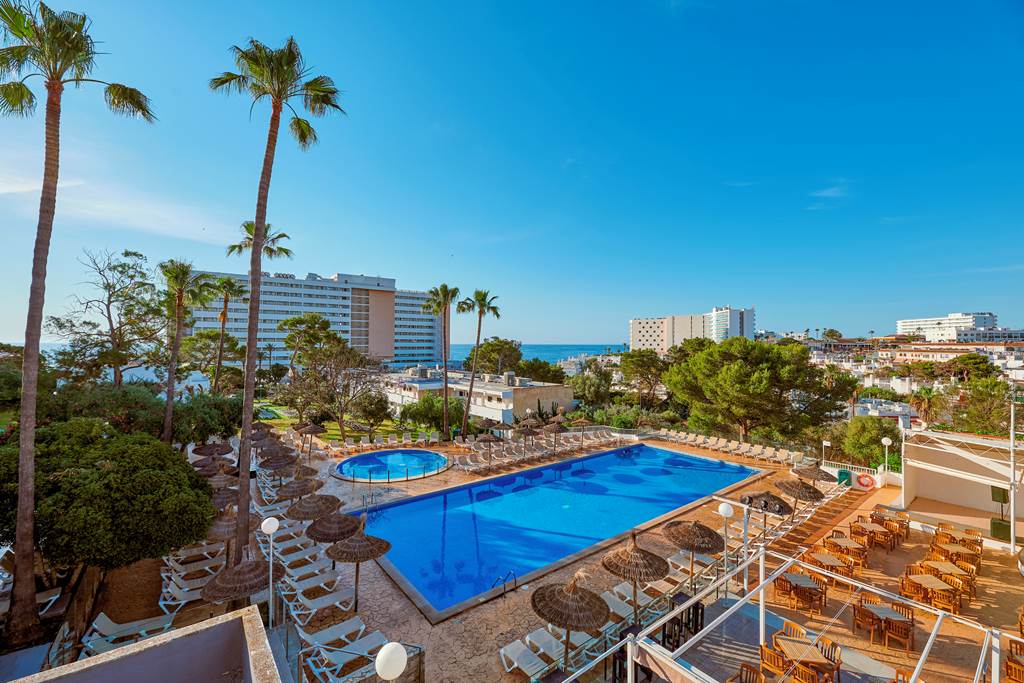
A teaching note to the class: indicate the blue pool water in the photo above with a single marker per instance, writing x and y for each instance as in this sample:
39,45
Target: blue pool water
391,465
452,545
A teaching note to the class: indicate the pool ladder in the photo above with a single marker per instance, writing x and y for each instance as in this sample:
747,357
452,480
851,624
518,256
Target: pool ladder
504,580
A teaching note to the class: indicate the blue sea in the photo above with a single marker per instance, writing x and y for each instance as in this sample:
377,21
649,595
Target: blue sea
552,353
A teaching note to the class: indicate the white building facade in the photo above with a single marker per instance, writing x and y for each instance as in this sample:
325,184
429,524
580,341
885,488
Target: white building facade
370,312
946,328
661,334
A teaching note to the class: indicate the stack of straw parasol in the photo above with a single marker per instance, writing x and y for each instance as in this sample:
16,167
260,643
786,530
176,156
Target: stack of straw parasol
356,549
695,538
571,607
636,565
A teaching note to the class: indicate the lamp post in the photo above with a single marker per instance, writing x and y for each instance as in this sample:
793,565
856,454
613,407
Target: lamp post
269,526
886,441
391,661
726,511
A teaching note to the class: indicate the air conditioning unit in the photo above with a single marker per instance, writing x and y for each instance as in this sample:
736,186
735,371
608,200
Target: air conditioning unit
510,378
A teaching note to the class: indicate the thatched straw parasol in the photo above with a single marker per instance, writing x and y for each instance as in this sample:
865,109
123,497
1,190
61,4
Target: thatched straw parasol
570,607
332,528
767,502
222,480
558,419
305,472
213,449
297,488
799,491
258,435
503,426
262,426
556,428
215,460
311,430
814,473
636,565
486,423
695,538
278,462
356,549
582,423
488,439
530,422
222,498
313,507
210,470
241,581
224,527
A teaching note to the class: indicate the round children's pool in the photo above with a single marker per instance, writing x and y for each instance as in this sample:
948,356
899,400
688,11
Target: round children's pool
391,465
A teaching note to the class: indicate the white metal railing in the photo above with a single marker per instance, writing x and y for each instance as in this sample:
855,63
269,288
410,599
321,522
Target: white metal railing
849,466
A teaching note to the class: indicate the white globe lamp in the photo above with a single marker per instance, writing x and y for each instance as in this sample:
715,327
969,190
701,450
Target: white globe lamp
270,525
726,510
391,661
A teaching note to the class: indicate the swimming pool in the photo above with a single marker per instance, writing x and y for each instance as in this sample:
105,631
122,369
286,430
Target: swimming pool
392,465
449,547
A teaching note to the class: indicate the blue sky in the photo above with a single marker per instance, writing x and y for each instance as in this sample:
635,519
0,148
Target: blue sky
833,163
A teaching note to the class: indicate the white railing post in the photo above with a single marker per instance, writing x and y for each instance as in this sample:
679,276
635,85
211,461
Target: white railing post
761,600
631,659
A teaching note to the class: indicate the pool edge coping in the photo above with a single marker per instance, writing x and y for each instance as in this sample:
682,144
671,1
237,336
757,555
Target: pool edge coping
435,616
335,469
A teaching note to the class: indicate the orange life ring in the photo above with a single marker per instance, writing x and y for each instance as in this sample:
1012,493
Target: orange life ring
865,481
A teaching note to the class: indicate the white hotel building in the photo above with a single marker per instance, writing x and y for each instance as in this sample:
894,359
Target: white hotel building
370,312
661,334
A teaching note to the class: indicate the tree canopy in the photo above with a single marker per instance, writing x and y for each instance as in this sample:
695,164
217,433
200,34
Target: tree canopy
372,409
104,498
746,385
643,369
541,370
593,384
496,356
681,352
863,440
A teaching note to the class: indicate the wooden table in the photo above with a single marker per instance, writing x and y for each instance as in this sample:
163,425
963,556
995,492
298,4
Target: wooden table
957,548
801,650
945,567
828,560
932,583
885,612
846,543
956,533
871,526
801,580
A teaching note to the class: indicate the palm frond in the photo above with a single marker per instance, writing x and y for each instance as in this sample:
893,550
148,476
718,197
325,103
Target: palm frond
320,96
14,59
303,132
15,20
128,101
229,82
16,99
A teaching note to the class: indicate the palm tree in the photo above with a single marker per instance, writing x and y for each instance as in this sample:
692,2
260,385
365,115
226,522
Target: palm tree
227,289
186,288
439,303
269,348
481,303
928,403
57,47
278,75
272,247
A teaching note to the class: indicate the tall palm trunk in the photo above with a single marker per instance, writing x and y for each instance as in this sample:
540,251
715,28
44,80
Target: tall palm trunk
252,327
220,344
445,434
24,624
172,368
472,375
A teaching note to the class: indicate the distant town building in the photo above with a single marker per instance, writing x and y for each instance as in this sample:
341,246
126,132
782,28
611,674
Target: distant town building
946,328
375,317
661,334
499,397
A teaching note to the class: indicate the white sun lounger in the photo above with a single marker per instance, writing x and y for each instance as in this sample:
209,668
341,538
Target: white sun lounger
518,655
625,591
302,608
333,660
327,580
544,642
345,632
174,598
617,606
104,631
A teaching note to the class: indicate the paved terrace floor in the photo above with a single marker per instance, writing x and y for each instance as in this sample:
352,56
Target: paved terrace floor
465,647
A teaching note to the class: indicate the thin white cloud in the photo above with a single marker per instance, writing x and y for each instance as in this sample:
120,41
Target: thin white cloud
15,184
833,192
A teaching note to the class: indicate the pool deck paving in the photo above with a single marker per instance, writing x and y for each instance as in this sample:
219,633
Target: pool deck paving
465,647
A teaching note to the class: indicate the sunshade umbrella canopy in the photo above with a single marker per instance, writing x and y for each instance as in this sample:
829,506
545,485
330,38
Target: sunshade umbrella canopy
332,528
556,428
305,472
241,581
486,423
636,565
312,507
356,549
767,503
213,449
213,469
224,525
222,498
695,538
278,462
799,491
488,439
215,460
558,419
296,488
219,481
503,426
814,473
530,422
262,426
527,431
312,429
571,607
258,435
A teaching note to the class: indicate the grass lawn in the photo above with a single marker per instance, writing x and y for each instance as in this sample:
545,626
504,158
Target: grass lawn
333,432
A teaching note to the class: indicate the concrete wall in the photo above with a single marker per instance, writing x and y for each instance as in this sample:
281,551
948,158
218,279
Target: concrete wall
382,324
525,398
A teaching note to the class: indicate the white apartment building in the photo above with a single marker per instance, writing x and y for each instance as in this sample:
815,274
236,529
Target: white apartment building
370,312
661,334
947,327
